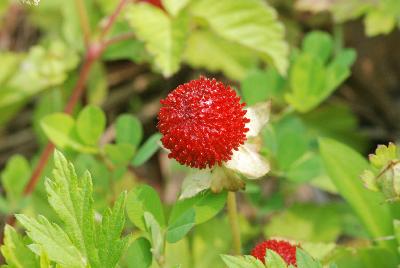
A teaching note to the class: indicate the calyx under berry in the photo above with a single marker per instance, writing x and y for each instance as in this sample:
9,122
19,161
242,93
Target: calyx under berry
286,250
202,122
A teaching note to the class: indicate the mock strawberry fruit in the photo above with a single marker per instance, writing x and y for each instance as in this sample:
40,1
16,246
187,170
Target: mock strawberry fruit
286,250
202,122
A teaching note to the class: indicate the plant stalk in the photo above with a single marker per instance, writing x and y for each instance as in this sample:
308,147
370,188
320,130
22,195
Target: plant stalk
234,222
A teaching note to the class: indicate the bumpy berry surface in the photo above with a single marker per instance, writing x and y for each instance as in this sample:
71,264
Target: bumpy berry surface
156,3
283,248
202,122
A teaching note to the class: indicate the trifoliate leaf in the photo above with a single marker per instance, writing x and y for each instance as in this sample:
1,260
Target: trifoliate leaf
15,250
250,23
53,240
163,35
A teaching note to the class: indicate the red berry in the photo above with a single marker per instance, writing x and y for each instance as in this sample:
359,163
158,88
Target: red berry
156,3
202,122
283,248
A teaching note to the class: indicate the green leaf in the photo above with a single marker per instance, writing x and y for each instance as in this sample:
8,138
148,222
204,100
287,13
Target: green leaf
251,23
242,261
60,128
147,150
259,86
15,251
174,6
179,227
110,245
274,260
195,182
144,199
97,88
306,261
205,205
71,198
90,124
128,130
319,44
163,35
139,254
230,58
344,167
14,178
303,222
53,240
120,154
157,238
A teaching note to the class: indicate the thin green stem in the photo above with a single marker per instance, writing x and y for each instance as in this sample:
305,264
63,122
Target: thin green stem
234,223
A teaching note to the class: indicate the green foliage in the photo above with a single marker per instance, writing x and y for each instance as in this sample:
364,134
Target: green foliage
163,35
82,241
15,250
82,135
139,254
252,24
344,167
312,77
147,150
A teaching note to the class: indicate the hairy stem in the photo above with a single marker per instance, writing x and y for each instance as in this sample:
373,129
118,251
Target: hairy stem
234,222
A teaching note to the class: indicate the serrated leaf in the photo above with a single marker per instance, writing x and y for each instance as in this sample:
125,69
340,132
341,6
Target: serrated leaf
242,261
180,226
109,243
128,130
251,23
90,124
163,35
147,150
15,251
230,58
53,240
274,260
383,155
71,198
144,199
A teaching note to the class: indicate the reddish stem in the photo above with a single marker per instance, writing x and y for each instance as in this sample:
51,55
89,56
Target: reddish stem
111,20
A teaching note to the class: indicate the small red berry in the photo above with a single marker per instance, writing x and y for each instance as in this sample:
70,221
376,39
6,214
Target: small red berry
283,248
202,122
156,3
